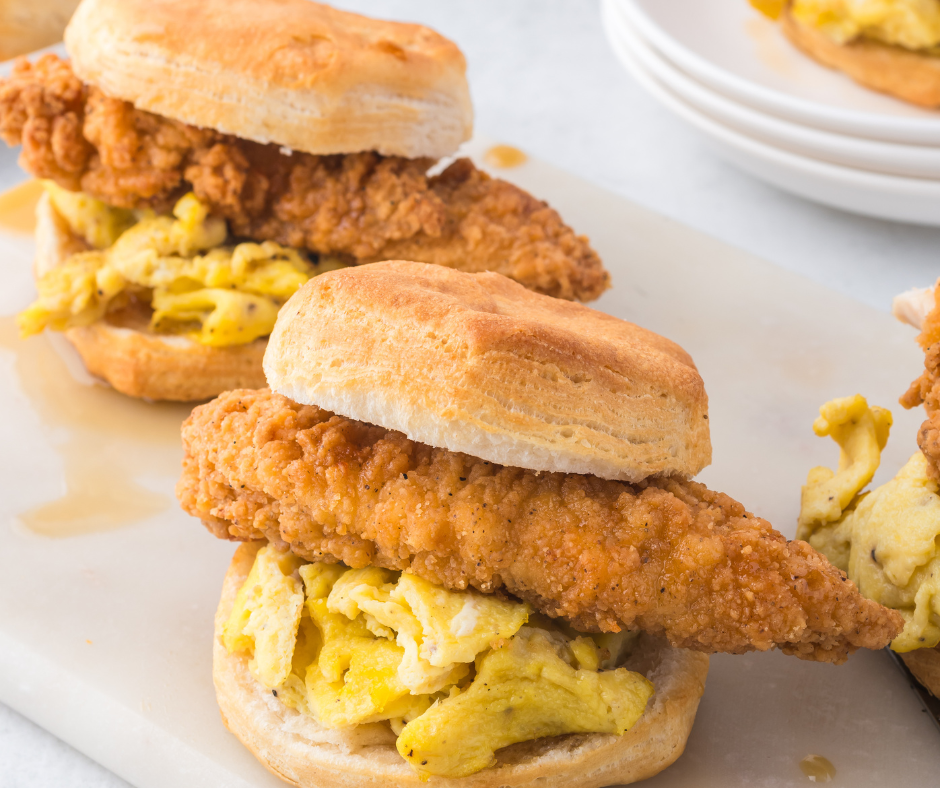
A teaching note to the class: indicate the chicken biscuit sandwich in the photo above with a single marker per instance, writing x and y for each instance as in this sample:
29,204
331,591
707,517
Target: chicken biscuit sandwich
204,158
471,552
892,46
887,539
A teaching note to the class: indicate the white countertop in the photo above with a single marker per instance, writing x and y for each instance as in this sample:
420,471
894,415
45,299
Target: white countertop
544,80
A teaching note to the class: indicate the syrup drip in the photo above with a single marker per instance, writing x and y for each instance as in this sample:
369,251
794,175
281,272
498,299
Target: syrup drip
106,442
505,156
18,207
817,769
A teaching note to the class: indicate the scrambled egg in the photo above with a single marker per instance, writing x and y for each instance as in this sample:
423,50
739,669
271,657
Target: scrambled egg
89,218
457,675
195,285
861,433
887,540
912,24
771,8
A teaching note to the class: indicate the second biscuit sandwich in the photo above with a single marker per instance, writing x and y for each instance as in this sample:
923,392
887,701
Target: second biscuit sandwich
204,159
472,550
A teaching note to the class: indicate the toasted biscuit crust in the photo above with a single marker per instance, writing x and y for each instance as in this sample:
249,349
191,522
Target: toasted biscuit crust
300,751
910,76
476,363
924,663
292,72
149,366
134,360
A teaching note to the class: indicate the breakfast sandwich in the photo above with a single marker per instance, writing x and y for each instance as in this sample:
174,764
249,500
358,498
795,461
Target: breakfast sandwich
203,159
472,552
887,539
892,46
28,25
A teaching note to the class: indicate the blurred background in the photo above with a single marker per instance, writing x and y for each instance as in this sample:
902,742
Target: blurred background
28,25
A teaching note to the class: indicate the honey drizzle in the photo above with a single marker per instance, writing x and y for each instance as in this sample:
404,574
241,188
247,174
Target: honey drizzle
505,156
106,442
18,207
817,769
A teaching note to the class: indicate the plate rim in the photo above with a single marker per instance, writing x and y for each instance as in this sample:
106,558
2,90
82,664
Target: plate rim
779,131
920,131
736,143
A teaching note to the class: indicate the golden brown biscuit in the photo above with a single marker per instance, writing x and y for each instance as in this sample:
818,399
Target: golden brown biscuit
485,367
907,75
924,663
292,72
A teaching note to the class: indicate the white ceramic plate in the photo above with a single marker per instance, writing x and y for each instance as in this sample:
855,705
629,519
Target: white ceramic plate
915,161
895,198
735,50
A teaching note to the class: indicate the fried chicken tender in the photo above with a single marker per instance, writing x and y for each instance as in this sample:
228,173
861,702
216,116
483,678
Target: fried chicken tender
363,206
926,389
664,556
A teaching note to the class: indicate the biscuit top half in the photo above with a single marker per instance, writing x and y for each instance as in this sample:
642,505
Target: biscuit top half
476,363
291,72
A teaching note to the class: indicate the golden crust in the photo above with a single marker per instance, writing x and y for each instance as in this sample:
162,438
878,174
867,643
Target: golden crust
145,365
910,76
360,205
292,72
476,363
924,663
666,556
136,361
298,750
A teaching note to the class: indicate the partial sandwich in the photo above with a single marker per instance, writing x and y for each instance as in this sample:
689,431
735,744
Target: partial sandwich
491,488
919,308
891,47
887,539
303,136
28,25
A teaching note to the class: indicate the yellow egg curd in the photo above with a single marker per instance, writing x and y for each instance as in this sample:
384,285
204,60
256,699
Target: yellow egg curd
179,268
887,540
770,8
456,674
912,24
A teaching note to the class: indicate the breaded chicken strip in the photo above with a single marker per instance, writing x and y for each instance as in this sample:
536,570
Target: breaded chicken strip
666,556
926,389
363,206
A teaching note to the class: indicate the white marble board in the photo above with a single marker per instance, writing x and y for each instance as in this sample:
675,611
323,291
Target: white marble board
105,637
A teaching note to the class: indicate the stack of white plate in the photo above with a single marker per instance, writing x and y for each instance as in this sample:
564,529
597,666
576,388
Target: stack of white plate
771,110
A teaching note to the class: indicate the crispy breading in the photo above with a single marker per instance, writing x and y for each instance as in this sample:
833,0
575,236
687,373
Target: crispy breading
926,389
363,206
665,556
